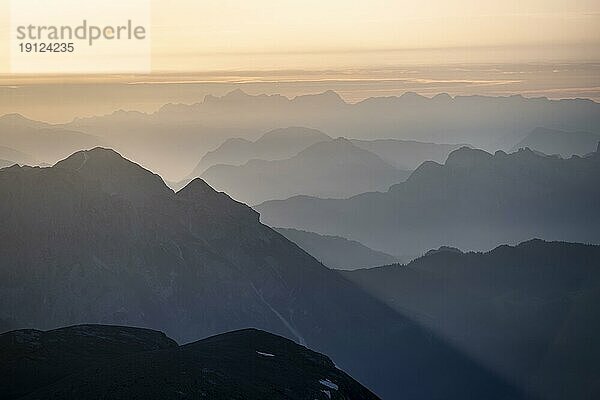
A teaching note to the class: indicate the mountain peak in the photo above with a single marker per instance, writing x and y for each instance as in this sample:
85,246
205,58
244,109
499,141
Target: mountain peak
442,97
293,132
444,249
13,117
236,94
16,119
197,188
78,160
329,97
116,174
412,96
218,203
467,157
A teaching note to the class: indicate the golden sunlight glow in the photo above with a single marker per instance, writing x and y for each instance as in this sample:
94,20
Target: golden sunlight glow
191,35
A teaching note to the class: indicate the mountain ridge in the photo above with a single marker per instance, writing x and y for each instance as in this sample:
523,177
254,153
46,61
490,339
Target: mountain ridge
114,247
95,361
474,201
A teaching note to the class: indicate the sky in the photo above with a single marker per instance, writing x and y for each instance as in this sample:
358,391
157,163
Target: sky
191,35
359,48
248,34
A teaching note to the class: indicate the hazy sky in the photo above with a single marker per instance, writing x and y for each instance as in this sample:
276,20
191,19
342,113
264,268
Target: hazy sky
358,48
210,34
192,35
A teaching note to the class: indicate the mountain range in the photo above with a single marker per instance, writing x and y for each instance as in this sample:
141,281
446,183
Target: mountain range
528,311
94,362
34,142
337,252
565,144
487,122
113,244
16,157
172,140
277,144
407,154
335,169
475,201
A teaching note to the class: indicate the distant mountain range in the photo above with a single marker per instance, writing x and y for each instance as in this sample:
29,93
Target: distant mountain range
172,140
285,143
113,244
565,144
529,311
33,142
474,201
277,144
16,157
332,169
337,252
488,122
407,154
6,163
99,362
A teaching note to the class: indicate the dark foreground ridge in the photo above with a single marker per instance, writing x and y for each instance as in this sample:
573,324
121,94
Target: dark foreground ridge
100,361
529,311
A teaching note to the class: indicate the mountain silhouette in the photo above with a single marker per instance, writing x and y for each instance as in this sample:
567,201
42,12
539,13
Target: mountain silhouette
528,311
112,244
33,140
277,144
407,154
337,252
475,201
171,140
565,144
6,163
335,168
32,359
16,157
97,361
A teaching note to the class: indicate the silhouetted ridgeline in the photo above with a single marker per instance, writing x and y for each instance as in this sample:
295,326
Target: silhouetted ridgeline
172,140
475,201
97,238
529,312
98,362
336,252
331,169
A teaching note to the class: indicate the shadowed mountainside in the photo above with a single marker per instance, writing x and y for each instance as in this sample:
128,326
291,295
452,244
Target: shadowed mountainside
335,169
97,361
32,359
277,144
407,154
474,201
529,311
337,252
113,244
565,144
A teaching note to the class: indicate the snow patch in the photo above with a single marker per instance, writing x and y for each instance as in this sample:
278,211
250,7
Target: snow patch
265,354
327,392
